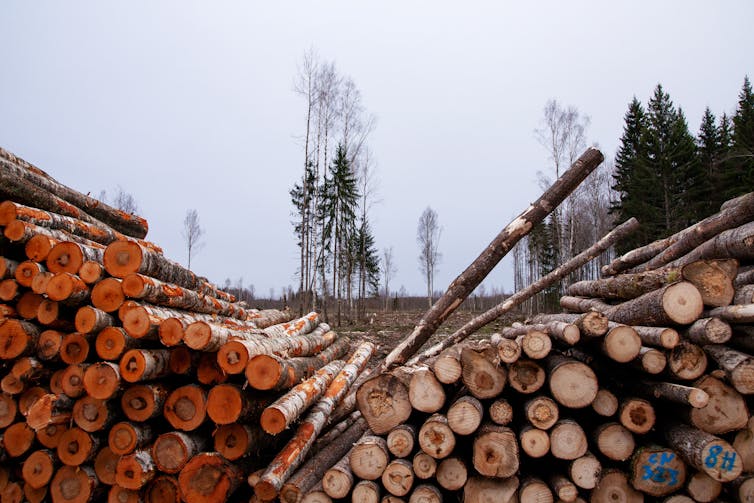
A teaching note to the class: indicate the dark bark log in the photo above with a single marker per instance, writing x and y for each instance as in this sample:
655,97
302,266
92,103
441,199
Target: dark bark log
734,243
705,452
528,292
738,366
725,411
467,281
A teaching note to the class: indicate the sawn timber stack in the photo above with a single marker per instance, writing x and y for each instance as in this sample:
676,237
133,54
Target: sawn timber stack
124,374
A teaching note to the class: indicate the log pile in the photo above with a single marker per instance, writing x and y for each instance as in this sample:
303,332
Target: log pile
639,390
125,377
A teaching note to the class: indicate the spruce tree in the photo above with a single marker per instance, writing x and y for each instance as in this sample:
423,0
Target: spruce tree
626,179
742,151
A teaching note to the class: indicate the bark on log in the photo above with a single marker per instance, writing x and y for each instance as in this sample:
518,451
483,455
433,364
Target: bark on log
90,320
521,296
291,405
743,443
39,467
112,342
467,281
144,364
726,411
709,331
563,488
122,258
299,326
705,452
270,372
291,456
734,243
673,392
135,470
69,256
743,313
679,303
738,366
314,469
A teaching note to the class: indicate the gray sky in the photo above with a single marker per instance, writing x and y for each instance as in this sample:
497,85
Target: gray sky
188,104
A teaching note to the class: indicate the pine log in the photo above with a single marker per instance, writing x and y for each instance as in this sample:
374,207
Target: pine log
172,450
501,412
542,412
705,452
398,477
209,477
687,361
369,457
583,304
703,488
270,372
465,415
673,392
467,281
614,486
572,383
534,442
74,484
495,451
311,426
534,490
745,276
425,392
424,465
590,324
528,292
289,407
614,441
738,366
483,489
401,440
650,360
107,295
585,471
567,440
314,469
142,402
605,403
125,438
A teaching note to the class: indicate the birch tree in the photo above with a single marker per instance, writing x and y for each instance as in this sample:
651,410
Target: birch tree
192,233
428,237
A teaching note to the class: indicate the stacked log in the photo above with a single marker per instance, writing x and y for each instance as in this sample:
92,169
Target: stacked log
119,368
639,391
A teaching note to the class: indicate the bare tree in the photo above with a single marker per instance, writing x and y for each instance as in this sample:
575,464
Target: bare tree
123,200
388,271
192,233
428,237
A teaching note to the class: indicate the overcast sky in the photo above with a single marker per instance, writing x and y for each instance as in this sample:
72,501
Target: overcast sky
188,104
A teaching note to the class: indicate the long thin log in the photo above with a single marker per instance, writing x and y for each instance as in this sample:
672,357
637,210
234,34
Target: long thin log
468,280
131,225
293,453
516,299
734,243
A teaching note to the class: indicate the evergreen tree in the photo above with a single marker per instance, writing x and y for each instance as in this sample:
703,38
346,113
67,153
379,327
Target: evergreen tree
626,178
340,200
708,152
742,151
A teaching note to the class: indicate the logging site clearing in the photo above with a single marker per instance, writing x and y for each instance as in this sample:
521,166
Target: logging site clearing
125,377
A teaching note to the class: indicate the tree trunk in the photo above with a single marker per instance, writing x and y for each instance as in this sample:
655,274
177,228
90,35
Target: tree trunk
585,471
467,281
527,293
738,366
705,452
383,401
534,442
290,406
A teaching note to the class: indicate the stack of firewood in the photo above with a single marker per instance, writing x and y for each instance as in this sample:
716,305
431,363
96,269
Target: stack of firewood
125,377
639,390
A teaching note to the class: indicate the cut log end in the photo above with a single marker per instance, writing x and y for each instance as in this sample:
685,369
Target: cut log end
122,258
683,303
